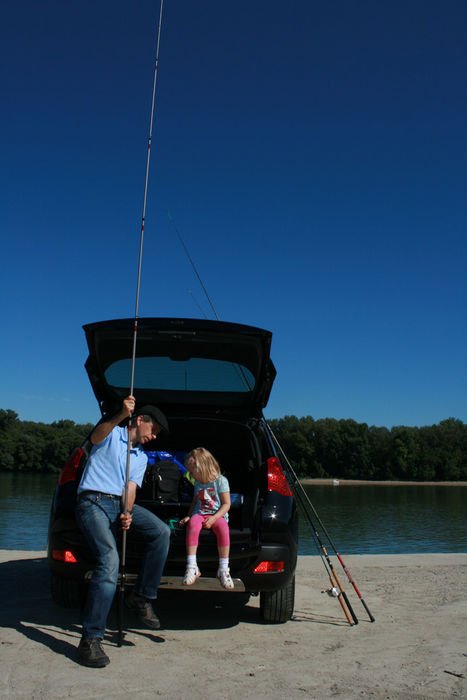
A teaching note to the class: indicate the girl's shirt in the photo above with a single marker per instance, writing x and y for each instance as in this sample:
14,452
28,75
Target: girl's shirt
207,496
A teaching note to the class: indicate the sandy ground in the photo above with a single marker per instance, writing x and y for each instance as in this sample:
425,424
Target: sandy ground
417,648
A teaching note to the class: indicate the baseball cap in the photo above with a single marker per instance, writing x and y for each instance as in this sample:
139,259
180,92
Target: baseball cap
155,413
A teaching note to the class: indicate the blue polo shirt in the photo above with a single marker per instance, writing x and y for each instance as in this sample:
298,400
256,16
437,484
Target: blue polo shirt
105,469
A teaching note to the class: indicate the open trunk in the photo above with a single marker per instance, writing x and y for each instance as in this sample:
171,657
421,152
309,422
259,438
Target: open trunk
235,447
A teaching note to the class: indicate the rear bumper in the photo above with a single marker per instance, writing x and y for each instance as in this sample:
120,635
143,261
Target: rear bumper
245,556
244,579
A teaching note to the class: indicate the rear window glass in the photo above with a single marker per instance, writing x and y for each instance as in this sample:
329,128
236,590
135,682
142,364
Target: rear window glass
194,374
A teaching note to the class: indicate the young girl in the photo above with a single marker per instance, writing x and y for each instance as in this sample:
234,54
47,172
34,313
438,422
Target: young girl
208,510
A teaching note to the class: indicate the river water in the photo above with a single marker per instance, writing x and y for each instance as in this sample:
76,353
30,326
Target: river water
362,519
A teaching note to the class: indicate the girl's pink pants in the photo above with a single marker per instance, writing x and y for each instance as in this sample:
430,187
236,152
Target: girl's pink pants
220,529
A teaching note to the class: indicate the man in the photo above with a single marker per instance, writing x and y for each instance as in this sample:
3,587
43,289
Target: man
100,514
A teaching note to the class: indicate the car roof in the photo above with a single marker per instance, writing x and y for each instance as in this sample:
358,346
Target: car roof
185,366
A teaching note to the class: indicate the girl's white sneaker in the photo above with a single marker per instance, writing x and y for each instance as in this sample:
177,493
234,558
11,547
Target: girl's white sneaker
225,579
191,574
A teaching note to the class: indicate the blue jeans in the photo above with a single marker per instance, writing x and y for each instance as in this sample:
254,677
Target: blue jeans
99,518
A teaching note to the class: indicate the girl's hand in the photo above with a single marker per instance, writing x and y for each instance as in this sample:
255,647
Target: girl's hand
209,522
184,521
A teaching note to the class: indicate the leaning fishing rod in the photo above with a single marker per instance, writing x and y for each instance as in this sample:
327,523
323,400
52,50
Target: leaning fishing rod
298,487
135,333
337,589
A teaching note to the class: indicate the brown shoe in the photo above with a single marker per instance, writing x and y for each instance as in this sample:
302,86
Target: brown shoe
91,653
143,608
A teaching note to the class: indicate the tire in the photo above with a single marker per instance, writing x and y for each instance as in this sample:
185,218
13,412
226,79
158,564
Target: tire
277,606
66,592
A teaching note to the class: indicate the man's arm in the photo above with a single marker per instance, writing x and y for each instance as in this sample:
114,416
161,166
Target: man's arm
102,430
125,518
131,495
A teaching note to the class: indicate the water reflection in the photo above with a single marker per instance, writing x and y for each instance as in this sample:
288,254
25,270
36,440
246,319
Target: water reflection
24,510
389,519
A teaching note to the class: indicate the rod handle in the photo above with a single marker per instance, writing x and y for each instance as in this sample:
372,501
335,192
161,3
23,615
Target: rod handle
341,600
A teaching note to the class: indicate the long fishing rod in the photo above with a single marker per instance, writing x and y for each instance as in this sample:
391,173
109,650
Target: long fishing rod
299,486
135,330
187,253
236,366
197,303
335,583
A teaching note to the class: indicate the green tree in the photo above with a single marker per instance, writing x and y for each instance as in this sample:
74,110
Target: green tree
316,448
406,456
379,447
37,447
355,456
295,433
453,442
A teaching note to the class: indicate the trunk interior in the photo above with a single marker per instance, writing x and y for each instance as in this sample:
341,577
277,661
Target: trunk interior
235,447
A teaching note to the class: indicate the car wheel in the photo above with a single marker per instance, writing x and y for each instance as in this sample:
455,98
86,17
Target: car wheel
66,592
277,606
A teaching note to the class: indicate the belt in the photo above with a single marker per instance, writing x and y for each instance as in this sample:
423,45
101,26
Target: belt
98,493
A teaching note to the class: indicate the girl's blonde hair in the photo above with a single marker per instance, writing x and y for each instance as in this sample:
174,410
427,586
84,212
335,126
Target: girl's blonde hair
208,466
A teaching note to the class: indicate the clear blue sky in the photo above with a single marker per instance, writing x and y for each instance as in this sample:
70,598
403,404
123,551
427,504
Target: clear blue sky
312,156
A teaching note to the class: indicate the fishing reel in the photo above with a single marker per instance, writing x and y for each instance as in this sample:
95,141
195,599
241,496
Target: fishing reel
332,592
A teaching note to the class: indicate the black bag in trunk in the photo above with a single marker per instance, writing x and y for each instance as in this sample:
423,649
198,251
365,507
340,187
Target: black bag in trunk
165,477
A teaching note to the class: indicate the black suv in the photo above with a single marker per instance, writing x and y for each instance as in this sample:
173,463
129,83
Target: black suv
212,379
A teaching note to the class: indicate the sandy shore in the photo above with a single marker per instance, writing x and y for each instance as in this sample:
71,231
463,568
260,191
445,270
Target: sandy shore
416,649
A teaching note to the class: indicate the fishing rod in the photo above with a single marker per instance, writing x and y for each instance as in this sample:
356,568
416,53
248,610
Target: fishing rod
187,253
135,331
298,486
236,366
197,303
337,589
335,583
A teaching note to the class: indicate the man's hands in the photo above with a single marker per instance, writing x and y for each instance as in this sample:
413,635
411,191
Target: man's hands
126,520
126,517
103,429
128,406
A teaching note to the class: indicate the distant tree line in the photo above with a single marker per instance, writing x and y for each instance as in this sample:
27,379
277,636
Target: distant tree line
326,448
349,450
37,447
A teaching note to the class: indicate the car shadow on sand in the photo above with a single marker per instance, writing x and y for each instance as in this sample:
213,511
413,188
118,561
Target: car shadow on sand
29,609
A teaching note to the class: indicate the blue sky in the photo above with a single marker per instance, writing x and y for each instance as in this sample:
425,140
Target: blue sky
313,158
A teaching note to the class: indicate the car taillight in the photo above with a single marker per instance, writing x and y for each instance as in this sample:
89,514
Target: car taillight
269,567
64,555
276,478
70,470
